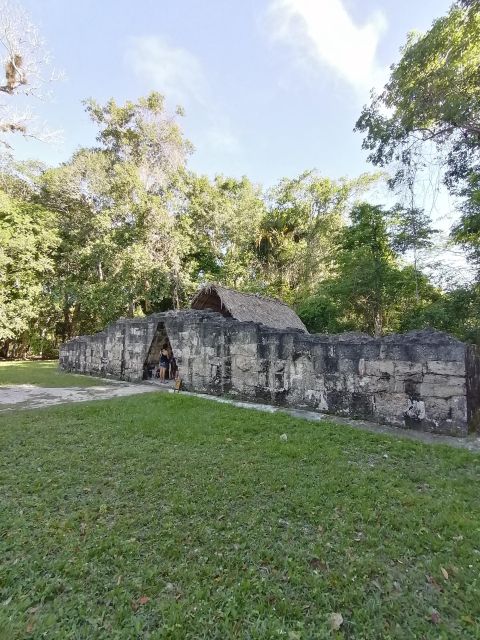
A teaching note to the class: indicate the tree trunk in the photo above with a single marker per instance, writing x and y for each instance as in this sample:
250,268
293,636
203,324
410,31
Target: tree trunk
176,300
4,348
378,324
417,295
67,321
75,320
176,297
65,324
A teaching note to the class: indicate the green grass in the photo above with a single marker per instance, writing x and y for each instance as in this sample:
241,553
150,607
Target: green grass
42,374
166,516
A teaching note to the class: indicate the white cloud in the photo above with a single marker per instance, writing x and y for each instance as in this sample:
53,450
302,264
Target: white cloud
172,70
323,32
179,75
220,137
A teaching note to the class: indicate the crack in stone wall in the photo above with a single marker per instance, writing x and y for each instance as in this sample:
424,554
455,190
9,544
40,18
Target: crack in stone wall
423,380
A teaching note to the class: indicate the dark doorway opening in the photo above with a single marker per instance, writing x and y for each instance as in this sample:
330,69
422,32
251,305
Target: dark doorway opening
160,349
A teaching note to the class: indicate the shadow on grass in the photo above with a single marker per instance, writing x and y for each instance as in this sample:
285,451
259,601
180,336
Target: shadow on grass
42,373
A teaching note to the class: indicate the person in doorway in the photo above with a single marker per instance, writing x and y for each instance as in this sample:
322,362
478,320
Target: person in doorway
163,364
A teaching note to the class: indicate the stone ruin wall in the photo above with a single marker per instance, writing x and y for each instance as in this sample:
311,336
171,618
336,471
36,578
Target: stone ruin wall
422,380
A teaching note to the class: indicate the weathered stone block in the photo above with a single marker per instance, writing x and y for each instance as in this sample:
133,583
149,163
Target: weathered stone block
446,368
403,368
443,390
378,368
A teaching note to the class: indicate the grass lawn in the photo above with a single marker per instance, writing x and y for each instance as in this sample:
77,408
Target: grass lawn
42,373
166,516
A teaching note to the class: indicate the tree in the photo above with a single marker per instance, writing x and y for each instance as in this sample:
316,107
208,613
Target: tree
27,70
367,265
218,220
297,237
370,291
431,107
143,134
120,252
28,243
411,231
467,231
455,312
432,98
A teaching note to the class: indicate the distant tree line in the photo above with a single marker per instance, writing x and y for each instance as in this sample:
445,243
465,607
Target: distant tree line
126,229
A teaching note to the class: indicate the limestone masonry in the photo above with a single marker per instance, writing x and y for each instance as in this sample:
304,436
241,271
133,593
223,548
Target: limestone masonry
423,380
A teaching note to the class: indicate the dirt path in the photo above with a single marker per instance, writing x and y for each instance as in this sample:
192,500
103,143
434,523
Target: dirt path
26,396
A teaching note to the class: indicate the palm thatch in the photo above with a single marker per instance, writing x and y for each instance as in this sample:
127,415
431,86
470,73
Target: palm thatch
247,307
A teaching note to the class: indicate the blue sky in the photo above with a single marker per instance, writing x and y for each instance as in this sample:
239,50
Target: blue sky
270,87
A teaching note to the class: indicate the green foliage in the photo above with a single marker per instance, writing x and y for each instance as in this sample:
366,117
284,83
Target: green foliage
139,236
297,237
467,231
456,312
323,311
411,230
28,243
370,291
218,220
433,96
124,229
432,101
144,135
121,251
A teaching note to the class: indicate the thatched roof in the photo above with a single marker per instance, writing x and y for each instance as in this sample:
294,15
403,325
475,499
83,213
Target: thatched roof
247,307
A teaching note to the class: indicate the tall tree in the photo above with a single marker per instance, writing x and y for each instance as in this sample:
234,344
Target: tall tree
430,107
370,291
296,239
432,97
368,258
218,220
412,231
467,231
120,252
144,135
28,243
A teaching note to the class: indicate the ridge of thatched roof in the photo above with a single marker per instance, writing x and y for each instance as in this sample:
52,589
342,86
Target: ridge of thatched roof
247,307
